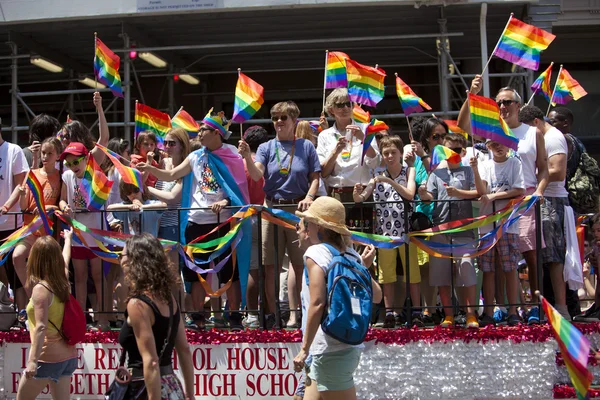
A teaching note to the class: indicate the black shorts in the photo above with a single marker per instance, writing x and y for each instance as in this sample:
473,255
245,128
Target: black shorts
13,279
192,231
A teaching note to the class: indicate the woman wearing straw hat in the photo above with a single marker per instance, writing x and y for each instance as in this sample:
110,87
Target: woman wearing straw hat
333,362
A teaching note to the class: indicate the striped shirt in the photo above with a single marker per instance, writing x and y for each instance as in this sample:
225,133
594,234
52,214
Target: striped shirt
169,218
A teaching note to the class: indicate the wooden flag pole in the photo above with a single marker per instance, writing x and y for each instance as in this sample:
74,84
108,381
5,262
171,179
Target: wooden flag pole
537,90
472,138
325,78
410,135
241,125
496,47
554,90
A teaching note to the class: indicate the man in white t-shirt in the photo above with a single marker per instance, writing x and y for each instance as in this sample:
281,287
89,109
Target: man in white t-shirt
556,198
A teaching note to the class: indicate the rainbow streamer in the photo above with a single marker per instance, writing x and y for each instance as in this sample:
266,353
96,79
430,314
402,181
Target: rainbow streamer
486,122
567,89
95,185
542,83
149,119
360,115
38,195
106,68
365,84
11,241
128,174
441,153
574,347
248,99
410,102
454,128
335,70
522,44
185,121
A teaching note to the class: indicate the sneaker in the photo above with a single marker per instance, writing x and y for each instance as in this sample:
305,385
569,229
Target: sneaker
461,318
472,321
427,320
486,320
251,322
513,320
417,320
400,319
522,314
219,323
588,316
199,320
389,322
534,316
270,321
235,321
500,315
448,322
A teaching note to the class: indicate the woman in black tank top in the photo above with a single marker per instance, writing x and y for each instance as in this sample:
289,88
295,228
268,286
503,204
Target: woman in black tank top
153,324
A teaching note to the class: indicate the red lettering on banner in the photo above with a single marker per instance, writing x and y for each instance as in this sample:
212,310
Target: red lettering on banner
77,386
99,354
259,384
15,381
80,358
113,357
175,361
103,383
215,385
283,361
271,384
277,383
24,357
257,358
202,359
229,385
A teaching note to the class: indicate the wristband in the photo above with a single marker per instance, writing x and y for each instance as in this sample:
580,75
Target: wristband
312,196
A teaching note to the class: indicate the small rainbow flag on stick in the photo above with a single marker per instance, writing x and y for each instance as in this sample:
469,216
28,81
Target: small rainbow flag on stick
38,195
522,44
374,126
486,122
185,121
106,67
365,84
248,98
335,70
566,88
409,101
454,128
542,83
149,119
128,174
441,153
574,347
95,186
360,115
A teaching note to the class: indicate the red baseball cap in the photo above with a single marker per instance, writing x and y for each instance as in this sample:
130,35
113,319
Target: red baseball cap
76,149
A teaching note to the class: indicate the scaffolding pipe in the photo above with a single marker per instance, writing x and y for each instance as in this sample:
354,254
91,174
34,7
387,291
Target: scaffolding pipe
14,57
171,93
499,74
127,88
442,44
25,106
289,42
484,48
14,116
60,92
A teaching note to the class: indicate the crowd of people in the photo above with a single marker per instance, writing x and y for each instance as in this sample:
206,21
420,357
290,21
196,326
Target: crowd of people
186,195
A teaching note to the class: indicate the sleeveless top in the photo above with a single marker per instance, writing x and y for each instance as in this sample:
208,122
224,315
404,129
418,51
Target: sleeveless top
159,329
527,153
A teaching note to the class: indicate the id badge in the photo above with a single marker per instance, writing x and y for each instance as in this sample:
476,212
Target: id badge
355,306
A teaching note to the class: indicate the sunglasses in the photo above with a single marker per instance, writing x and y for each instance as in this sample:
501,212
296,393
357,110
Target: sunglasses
74,163
342,105
202,130
438,136
457,150
505,103
298,226
170,143
276,118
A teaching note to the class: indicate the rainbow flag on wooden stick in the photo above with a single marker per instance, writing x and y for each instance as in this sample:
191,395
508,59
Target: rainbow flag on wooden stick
149,119
335,70
128,174
486,122
574,347
522,44
248,99
106,68
38,196
542,83
441,153
95,186
365,84
409,101
185,121
567,88
454,128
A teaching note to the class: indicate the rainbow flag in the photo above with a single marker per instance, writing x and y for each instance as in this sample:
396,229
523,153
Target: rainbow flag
365,84
335,70
374,126
149,119
486,122
441,153
316,126
454,128
38,195
106,68
567,89
574,347
409,101
128,174
248,99
360,115
543,83
185,121
95,186
521,44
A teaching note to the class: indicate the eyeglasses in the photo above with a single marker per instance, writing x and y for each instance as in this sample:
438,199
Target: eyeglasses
438,136
170,143
202,130
342,105
121,256
457,150
505,103
276,118
74,163
298,226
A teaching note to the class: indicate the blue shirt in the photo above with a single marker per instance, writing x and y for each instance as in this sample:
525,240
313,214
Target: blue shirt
297,182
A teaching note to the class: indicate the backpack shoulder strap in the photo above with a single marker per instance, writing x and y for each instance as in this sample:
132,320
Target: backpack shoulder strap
332,249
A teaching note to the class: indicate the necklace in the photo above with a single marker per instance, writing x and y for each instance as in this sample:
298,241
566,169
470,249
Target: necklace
346,153
283,170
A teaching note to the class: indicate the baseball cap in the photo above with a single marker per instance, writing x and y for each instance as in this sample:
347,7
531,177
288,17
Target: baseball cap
76,149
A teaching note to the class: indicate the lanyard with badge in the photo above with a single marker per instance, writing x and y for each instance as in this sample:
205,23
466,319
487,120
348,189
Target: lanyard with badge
283,170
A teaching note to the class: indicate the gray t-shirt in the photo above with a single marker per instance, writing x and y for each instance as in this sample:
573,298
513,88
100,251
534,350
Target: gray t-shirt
460,178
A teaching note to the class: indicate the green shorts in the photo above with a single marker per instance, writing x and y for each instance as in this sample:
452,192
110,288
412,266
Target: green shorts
334,371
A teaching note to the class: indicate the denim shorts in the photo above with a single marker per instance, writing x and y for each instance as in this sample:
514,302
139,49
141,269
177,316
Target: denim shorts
55,371
334,371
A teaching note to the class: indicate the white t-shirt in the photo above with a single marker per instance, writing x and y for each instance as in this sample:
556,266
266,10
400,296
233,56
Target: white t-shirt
527,153
556,144
206,190
77,203
12,162
322,343
500,177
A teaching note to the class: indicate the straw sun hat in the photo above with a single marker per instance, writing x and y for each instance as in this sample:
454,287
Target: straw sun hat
327,212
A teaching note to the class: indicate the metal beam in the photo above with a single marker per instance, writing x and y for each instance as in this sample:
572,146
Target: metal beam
138,37
61,92
127,89
14,116
484,49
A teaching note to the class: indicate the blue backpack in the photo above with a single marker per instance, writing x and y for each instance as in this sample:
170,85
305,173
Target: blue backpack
349,297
